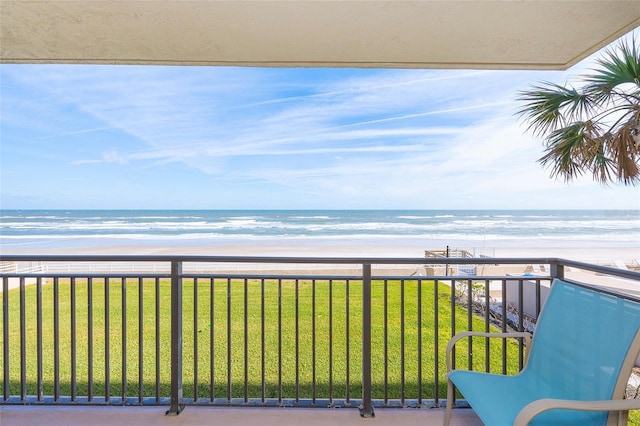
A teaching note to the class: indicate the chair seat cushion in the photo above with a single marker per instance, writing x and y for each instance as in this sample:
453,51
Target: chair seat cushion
498,399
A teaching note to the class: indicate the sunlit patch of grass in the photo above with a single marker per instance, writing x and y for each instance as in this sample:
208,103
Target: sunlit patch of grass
288,338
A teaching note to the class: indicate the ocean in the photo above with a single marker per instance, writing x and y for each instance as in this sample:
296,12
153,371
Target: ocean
46,229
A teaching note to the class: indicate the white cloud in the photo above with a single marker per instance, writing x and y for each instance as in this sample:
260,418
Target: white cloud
344,138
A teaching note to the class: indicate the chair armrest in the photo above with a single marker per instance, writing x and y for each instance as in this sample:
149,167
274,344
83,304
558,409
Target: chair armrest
522,334
536,407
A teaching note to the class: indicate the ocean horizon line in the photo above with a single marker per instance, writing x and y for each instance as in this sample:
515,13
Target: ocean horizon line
320,209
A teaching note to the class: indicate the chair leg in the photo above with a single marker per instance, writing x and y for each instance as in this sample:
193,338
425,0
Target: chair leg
447,411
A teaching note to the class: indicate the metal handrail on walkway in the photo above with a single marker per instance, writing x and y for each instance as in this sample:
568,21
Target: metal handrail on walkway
358,335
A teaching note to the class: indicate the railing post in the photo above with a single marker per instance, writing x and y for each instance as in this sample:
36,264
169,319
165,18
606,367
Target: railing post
5,337
367,407
557,271
176,339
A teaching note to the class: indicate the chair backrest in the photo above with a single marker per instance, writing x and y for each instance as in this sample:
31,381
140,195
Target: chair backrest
583,343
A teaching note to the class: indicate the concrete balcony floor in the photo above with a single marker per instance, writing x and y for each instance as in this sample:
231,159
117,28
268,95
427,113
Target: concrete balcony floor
194,416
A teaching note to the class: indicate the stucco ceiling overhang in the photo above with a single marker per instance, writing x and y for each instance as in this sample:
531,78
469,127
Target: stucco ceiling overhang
524,34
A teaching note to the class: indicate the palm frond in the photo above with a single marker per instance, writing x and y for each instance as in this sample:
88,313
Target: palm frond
618,116
624,151
601,166
564,151
594,129
550,106
619,66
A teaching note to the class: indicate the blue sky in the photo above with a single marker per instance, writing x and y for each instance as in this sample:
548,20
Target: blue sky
130,137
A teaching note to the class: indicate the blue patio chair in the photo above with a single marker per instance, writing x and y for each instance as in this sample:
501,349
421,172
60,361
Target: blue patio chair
577,367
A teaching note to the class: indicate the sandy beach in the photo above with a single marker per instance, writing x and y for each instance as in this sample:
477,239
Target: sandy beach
599,255
602,254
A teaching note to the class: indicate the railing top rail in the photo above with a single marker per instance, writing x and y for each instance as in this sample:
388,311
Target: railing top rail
272,259
622,273
324,260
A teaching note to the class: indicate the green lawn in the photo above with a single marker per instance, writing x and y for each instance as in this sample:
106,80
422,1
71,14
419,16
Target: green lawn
334,362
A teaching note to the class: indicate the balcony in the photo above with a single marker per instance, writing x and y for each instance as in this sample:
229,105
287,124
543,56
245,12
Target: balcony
195,416
261,339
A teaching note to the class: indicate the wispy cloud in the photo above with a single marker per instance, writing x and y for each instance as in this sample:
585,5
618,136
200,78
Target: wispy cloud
402,137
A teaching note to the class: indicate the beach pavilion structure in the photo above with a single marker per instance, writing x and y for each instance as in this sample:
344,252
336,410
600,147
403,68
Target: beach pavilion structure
480,34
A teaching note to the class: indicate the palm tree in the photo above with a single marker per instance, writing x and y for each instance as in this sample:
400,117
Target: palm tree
594,128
